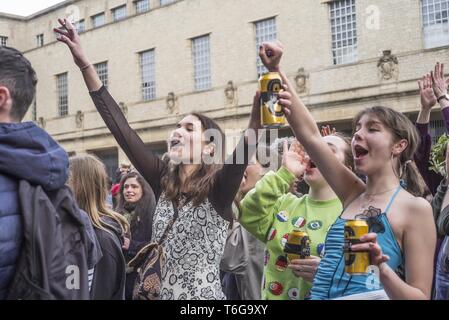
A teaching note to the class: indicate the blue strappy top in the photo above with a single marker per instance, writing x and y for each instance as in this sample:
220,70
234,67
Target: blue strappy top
331,281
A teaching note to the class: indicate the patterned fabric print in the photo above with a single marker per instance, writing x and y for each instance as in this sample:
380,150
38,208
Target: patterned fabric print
193,249
270,213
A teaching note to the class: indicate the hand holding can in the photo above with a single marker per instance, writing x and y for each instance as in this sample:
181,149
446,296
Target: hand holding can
356,263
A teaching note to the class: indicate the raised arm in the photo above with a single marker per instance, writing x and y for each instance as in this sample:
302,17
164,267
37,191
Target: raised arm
422,155
343,181
440,84
230,176
259,207
148,164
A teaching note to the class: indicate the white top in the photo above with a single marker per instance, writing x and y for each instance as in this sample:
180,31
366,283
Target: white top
371,295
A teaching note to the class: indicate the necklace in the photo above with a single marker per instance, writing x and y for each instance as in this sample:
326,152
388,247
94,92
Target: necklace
370,198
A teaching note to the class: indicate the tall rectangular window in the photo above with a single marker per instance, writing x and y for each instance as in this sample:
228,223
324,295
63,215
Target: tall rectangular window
165,2
3,41
40,40
102,71
265,32
344,31
148,72
98,20
142,6
201,63
80,26
63,97
119,13
109,157
435,23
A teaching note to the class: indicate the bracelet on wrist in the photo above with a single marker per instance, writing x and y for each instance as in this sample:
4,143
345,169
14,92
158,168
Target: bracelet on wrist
85,67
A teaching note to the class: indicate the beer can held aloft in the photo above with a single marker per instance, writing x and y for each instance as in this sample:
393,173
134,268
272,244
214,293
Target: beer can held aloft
297,246
271,112
356,263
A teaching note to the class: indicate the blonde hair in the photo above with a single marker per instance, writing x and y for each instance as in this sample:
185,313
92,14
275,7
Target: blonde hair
88,181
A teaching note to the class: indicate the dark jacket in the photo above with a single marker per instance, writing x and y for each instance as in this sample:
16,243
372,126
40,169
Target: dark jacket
441,215
109,276
141,230
26,153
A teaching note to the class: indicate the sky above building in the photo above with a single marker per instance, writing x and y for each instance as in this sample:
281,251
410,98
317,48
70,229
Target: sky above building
25,7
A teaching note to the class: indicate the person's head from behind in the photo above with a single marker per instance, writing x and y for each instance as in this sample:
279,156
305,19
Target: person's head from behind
88,181
125,167
199,142
385,139
17,85
340,145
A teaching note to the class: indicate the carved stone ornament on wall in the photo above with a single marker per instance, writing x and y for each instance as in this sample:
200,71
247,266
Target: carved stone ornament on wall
79,118
301,80
388,66
231,93
41,122
124,108
171,102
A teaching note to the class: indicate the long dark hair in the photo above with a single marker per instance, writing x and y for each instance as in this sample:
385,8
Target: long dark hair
145,205
200,183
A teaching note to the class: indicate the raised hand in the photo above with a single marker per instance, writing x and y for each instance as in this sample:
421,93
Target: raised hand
271,53
428,97
327,131
439,83
69,36
294,158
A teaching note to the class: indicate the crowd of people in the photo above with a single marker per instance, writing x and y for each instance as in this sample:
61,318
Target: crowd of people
219,228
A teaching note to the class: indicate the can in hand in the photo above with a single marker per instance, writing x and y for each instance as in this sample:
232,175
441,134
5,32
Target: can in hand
271,111
356,263
297,246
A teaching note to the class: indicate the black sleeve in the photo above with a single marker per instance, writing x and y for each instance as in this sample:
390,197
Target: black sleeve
147,163
229,178
134,248
109,276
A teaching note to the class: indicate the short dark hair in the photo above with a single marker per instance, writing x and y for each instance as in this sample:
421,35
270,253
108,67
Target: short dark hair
17,74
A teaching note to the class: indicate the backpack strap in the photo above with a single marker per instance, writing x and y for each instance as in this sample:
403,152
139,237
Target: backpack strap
170,225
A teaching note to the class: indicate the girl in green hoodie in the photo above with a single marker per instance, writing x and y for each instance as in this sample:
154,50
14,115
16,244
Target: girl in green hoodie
270,212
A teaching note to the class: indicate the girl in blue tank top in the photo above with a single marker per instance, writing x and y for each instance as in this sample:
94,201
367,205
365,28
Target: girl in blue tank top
331,281
402,237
